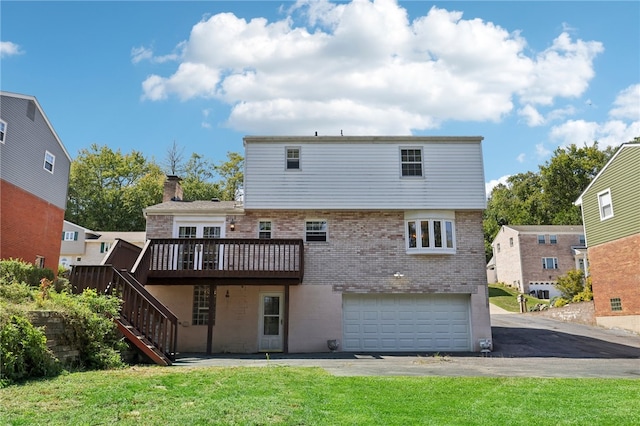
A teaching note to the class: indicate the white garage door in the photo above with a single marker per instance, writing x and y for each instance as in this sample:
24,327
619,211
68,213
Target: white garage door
405,322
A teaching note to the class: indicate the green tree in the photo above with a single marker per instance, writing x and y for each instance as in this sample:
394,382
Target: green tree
108,189
566,175
571,284
198,182
231,176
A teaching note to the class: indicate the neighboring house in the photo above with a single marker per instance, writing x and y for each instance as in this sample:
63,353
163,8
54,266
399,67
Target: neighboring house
532,257
81,246
34,177
611,215
375,242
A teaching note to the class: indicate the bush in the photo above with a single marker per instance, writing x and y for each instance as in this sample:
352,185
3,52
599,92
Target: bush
571,283
586,294
88,317
24,353
14,270
558,302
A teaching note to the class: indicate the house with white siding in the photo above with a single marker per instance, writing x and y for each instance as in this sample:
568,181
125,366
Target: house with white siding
356,244
373,242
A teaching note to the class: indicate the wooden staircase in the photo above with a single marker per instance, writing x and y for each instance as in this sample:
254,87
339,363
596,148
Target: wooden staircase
143,320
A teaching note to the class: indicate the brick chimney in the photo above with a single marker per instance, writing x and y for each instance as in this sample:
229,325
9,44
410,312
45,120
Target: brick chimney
172,189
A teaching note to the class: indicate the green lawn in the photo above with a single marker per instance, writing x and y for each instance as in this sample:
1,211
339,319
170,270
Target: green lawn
310,396
507,298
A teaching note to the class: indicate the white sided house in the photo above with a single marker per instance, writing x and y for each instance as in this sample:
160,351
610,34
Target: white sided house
373,242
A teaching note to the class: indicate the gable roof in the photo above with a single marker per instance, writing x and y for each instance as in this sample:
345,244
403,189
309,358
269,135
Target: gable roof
624,146
33,98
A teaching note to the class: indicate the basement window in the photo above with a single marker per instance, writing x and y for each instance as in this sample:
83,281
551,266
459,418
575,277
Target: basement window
616,304
201,295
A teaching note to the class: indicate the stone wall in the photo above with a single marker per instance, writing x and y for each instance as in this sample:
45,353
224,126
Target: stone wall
55,330
582,313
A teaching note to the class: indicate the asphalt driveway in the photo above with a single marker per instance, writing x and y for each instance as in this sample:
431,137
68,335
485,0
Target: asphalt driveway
524,346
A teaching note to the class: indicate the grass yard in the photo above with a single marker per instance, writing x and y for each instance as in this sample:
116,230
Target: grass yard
507,298
310,396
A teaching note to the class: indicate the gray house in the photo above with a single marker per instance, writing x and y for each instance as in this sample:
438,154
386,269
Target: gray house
34,177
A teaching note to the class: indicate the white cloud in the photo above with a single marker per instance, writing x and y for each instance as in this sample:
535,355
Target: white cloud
609,133
8,48
139,54
520,158
542,151
488,186
627,104
531,116
365,68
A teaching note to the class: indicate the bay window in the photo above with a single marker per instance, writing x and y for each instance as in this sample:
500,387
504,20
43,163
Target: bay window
430,233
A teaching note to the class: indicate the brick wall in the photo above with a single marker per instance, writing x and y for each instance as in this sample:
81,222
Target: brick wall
29,227
365,249
159,226
615,273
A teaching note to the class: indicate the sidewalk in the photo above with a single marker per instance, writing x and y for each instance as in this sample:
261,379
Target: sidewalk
497,310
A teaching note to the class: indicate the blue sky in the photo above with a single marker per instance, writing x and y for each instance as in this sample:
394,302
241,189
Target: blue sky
528,76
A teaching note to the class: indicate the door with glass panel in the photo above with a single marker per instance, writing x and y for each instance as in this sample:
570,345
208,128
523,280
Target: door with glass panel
270,335
201,255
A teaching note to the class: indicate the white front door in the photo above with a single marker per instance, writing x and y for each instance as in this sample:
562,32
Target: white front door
270,334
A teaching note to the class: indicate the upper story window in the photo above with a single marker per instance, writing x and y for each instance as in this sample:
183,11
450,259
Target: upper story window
583,240
69,236
316,230
605,205
431,232
264,229
104,247
49,161
292,154
3,130
510,241
541,239
211,232
498,247
187,232
549,263
553,239
411,162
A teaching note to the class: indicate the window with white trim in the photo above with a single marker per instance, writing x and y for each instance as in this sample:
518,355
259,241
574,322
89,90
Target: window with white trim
3,130
553,239
104,247
411,162
430,234
541,239
316,230
292,157
582,240
549,263
70,236
264,229
49,161
604,204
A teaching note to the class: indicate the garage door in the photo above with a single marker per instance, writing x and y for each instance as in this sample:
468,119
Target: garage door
405,322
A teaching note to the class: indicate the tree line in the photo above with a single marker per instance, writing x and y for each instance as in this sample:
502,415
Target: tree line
108,189
546,197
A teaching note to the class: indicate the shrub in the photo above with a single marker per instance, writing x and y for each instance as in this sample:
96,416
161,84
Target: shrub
90,327
558,302
17,293
15,270
24,353
586,294
571,283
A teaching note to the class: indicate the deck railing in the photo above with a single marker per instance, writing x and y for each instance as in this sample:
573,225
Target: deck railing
221,258
140,308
